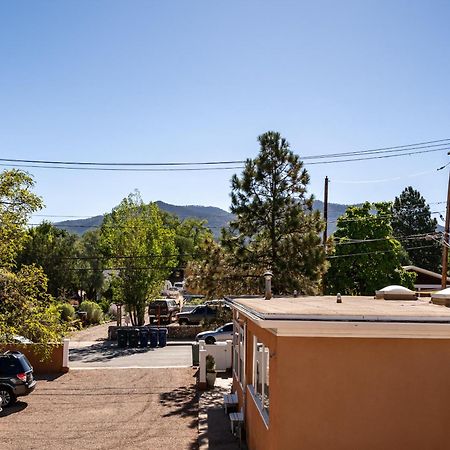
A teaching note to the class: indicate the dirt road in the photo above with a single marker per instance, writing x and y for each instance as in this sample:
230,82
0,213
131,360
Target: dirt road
106,409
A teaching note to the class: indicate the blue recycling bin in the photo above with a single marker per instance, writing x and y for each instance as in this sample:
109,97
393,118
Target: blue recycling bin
143,337
153,335
162,337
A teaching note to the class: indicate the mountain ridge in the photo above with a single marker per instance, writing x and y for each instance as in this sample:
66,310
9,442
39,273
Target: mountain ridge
216,218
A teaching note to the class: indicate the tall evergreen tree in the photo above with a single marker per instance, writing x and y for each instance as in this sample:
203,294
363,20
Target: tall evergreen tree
411,216
275,227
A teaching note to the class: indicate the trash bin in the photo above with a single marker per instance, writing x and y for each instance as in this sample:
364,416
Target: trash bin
133,337
162,337
143,337
153,335
122,338
195,354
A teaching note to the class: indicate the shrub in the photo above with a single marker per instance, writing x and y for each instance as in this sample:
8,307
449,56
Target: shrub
67,312
210,363
104,305
93,310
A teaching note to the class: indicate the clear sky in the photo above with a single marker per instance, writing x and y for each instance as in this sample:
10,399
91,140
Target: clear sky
192,80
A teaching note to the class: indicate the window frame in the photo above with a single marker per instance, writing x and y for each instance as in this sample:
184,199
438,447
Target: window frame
253,387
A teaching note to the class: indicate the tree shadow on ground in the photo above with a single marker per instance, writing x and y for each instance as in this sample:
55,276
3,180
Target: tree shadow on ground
183,402
104,351
16,408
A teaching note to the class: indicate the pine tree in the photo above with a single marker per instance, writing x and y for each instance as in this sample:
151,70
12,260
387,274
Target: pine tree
275,226
411,216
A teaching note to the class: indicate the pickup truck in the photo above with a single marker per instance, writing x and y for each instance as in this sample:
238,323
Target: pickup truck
164,308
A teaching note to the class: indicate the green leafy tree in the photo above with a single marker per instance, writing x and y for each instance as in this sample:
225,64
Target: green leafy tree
25,307
190,233
55,251
141,248
17,203
366,256
411,216
90,265
275,226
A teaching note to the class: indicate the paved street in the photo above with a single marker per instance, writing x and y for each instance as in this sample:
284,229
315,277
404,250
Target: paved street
106,354
89,349
106,409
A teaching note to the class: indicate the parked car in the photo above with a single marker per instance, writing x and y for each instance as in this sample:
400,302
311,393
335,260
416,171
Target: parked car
199,313
179,285
16,377
223,333
165,308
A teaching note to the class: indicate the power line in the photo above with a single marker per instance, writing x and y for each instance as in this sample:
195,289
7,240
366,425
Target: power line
173,169
172,166
335,161
376,252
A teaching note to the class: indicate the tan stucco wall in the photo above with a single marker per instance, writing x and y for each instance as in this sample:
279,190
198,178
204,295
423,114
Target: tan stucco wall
351,393
52,364
258,435
343,393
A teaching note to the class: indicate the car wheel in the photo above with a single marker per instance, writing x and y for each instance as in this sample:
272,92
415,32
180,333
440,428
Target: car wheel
210,340
7,396
183,321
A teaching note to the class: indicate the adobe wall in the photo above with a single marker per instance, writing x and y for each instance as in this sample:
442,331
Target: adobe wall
52,365
257,434
341,393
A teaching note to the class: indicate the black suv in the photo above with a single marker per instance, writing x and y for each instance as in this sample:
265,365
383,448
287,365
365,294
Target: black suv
16,377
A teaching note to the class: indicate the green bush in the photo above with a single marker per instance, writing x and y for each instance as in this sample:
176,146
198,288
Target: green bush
67,312
93,310
104,305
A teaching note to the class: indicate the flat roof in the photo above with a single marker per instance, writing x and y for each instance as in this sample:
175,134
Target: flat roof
352,308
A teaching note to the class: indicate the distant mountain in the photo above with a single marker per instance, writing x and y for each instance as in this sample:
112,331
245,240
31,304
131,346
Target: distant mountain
216,218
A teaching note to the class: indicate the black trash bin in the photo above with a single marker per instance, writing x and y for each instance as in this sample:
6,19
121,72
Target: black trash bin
133,337
143,337
122,338
162,337
153,334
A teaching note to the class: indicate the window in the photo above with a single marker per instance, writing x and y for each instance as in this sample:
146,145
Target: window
228,327
261,362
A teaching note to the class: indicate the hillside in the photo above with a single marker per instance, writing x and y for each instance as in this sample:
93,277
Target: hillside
216,218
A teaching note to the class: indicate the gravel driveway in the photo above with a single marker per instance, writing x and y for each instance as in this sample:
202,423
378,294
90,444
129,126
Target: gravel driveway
106,409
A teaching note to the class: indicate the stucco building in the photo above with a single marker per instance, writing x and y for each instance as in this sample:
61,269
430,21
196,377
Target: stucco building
311,373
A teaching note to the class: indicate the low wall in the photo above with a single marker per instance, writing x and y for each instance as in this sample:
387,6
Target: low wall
57,361
222,352
174,331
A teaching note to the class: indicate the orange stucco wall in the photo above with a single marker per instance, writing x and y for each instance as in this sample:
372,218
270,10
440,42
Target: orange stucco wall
51,365
351,393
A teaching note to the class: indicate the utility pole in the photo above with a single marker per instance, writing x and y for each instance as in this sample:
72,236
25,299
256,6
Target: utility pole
325,213
445,242
325,217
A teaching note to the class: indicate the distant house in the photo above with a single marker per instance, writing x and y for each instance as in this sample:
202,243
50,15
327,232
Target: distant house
311,373
426,280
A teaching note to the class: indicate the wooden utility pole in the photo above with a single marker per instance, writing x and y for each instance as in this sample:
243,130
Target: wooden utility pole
445,241
325,213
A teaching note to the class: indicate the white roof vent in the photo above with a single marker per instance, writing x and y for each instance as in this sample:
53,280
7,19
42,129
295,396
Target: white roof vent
395,292
445,293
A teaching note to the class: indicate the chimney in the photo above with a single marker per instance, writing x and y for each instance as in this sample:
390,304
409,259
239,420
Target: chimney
268,279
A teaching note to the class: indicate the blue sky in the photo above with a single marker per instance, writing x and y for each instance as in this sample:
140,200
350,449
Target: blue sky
190,80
